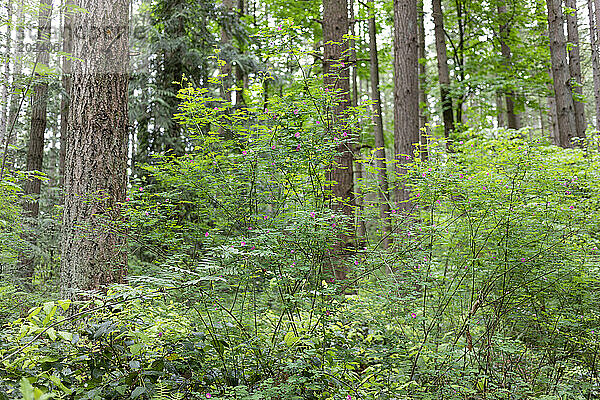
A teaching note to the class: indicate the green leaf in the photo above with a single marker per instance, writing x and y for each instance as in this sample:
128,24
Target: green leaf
135,348
54,379
290,339
137,392
26,389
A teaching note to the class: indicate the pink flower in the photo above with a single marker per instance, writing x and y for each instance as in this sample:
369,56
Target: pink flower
312,214
243,243
208,396
297,134
141,189
413,315
296,111
206,234
244,152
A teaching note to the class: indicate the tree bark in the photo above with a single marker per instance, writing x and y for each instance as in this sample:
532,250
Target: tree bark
565,110
380,153
443,72
67,47
35,149
592,12
575,68
511,117
337,78
406,92
96,159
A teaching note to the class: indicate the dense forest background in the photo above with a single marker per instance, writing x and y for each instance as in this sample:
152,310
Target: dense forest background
312,199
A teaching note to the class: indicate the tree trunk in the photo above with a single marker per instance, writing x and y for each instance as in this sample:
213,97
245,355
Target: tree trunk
66,91
35,149
595,58
511,117
552,114
361,228
380,156
443,72
406,92
337,78
424,130
500,110
6,76
226,69
575,68
560,73
16,96
96,159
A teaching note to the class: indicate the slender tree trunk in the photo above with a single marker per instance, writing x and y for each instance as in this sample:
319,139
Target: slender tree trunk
96,161
443,72
575,68
16,96
565,109
424,130
337,78
67,46
511,117
361,228
35,149
406,91
226,68
595,58
500,110
6,75
241,75
380,156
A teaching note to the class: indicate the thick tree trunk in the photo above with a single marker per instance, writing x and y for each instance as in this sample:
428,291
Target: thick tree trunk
35,149
406,91
575,68
67,46
6,76
422,82
443,72
96,161
511,117
337,78
592,12
565,110
380,156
